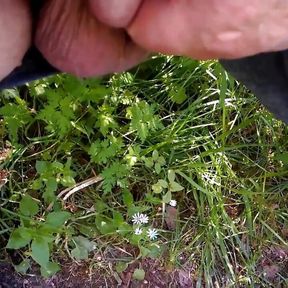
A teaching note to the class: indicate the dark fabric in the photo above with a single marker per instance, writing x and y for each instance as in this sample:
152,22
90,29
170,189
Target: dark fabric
266,76
33,67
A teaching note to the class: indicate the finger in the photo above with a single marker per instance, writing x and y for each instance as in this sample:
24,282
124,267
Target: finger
211,28
74,41
15,31
115,13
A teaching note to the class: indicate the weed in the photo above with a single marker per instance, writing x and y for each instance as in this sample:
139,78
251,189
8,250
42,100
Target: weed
173,138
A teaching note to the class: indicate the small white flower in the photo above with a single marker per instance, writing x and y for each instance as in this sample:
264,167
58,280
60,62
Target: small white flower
139,219
138,231
136,218
152,233
173,203
144,218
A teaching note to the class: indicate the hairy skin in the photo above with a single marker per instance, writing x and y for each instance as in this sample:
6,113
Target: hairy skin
15,34
73,40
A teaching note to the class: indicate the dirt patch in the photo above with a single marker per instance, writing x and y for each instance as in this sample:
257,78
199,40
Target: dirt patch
75,275
100,272
273,264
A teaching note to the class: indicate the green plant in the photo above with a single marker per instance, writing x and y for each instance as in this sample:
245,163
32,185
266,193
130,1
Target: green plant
172,129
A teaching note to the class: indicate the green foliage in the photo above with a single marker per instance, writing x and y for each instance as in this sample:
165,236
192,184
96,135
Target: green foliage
28,206
51,174
143,119
161,132
102,151
16,116
82,247
139,274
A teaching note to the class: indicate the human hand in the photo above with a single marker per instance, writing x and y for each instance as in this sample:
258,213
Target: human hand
96,37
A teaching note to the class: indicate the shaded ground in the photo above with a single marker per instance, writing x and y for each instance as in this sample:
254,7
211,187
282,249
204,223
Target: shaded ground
81,275
273,265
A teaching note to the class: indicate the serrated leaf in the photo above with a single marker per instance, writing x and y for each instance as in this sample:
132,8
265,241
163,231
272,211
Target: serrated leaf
50,269
23,266
171,175
40,251
19,238
163,183
28,206
57,219
175,187
139,274
167,197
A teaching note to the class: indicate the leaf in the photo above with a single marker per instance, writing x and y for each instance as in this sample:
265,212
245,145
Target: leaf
148,162
139,274
117,218
28,206
37,184
102,151
161,160
67,181
57,219
155,251
40,251
121,267
82,247
167,197
175,187
41,167
127,198
143,119
163,183
105,225
23,266
85,243
178,95
171,175
282,157
79,253
19,238
157,168
50,269
15,117
155,155
114,174
157,188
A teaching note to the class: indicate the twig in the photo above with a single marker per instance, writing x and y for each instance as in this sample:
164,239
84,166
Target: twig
79,186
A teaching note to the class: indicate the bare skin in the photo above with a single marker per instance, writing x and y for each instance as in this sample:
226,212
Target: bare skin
15,31
96,37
